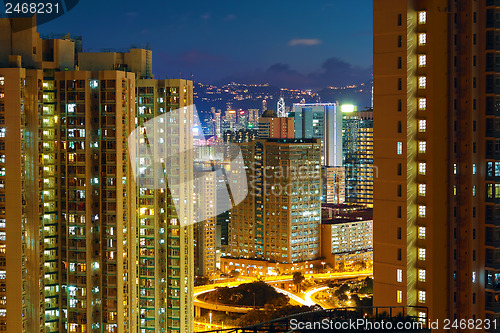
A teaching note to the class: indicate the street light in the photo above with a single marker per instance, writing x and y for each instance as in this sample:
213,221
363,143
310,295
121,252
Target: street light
210,315
323,263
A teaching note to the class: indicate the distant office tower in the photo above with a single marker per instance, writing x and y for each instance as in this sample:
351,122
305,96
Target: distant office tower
272,126
253,118
321,121
358,156
332,185
83,221
242,120
280,108
217,118
279,219
230,120
205,231
346,235
437,149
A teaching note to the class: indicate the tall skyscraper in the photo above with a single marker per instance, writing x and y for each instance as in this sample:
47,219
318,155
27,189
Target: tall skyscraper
321,121
436,198
279,219
358,156
85,247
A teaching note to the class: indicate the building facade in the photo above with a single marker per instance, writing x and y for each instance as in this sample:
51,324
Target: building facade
85,248
279,219
320,121
357,149
436,146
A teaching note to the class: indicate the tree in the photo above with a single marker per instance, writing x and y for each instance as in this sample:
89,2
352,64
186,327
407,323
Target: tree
234,273
298,278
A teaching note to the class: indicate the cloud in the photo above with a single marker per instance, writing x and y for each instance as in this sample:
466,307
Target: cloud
230,17
305,42
206,16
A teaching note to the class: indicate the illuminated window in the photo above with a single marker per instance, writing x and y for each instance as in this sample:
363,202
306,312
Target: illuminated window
2,80
422,167
421,275
473,277
497,191
2,132
422,60
422,103
400,148
400,275
474,190
454,189
422,82
474,169
421,211
421,296
422,125
422,146
421,189
399,296
421,232
422,17
422,38
421,254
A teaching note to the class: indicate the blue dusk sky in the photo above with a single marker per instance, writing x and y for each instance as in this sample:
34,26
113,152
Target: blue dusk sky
296,44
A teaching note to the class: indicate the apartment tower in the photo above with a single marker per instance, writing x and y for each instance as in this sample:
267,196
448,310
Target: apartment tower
437,151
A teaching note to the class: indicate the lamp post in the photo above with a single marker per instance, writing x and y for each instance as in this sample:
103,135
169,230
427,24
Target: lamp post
323,263
210,315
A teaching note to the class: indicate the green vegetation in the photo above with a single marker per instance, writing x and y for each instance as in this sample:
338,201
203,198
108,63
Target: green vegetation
298,278
247,294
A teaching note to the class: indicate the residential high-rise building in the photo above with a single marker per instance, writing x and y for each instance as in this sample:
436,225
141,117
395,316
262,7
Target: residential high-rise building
272,126
86,248
205,231
280,217
320,121
436,144
165,245
358,156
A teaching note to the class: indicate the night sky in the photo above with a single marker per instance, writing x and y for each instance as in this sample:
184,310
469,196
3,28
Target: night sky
294,44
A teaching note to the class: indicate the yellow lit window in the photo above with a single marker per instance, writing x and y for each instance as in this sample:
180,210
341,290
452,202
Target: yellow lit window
422,103
399,296
421,189
422,146
422,82
422,167
421,275
422,60
422,38
421,211
422,125
421,296
421,254
422,17
421,232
